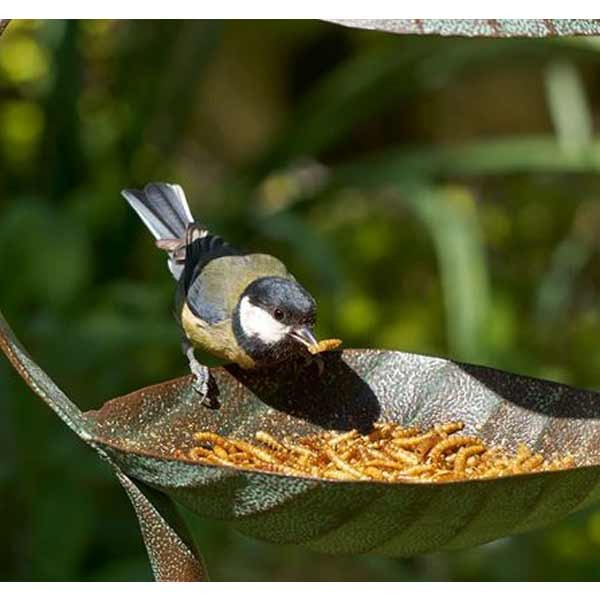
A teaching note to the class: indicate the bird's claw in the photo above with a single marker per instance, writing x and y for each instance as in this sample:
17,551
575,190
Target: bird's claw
201,377
200,386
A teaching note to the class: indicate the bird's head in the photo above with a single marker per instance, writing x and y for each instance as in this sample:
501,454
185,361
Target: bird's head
274,318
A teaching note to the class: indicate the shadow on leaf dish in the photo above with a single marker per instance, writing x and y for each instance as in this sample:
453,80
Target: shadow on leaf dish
338,398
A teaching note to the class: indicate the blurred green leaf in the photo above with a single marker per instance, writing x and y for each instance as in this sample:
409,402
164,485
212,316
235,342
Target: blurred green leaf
568,106
490,157
450,215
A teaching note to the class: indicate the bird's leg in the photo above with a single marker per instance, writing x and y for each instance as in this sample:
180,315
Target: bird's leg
199,371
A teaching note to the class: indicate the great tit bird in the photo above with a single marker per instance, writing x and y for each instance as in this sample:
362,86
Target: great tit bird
242,307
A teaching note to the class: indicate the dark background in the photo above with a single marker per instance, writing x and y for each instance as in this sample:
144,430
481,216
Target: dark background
439,196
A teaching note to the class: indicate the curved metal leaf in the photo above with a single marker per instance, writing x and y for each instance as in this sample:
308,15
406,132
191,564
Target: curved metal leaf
479,27
141,431
172,554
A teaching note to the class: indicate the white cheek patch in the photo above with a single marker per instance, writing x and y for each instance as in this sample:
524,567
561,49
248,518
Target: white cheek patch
256,321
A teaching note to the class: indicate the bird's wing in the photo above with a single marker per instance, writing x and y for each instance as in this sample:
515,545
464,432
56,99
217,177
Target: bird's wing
200,251
215,291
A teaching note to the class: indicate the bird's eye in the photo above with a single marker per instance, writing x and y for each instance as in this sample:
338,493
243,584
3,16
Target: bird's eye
278,314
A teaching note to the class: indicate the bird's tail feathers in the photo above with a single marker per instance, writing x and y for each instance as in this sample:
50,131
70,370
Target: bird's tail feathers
164,210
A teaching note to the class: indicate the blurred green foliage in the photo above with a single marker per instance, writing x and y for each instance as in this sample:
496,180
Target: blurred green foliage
439,196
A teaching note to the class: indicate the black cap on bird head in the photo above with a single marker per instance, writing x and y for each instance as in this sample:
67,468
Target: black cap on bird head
274,318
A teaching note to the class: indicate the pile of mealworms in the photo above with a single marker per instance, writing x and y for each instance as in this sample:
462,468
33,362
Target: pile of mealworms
388,453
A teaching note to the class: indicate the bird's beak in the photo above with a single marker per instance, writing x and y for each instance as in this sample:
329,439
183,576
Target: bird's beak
303,335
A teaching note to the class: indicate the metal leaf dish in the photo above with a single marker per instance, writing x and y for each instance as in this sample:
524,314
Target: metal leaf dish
144,433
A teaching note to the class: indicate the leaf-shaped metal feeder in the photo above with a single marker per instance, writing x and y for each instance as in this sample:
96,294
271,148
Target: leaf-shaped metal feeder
140,433
503,28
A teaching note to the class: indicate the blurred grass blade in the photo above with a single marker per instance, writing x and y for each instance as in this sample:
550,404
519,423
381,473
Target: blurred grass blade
479,27
556,287
542,154
349,94
568,105
568,260
451,218
390,74
371,83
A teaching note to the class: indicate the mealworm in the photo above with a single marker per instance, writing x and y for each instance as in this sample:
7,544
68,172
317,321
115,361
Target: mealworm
450,443
342,437
269,441
342,465
254,451
460,462
411,442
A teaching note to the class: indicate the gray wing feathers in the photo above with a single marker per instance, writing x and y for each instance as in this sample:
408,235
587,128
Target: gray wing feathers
214,293
202,303
163,208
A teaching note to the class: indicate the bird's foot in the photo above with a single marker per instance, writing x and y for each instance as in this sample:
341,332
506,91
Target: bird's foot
201,377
